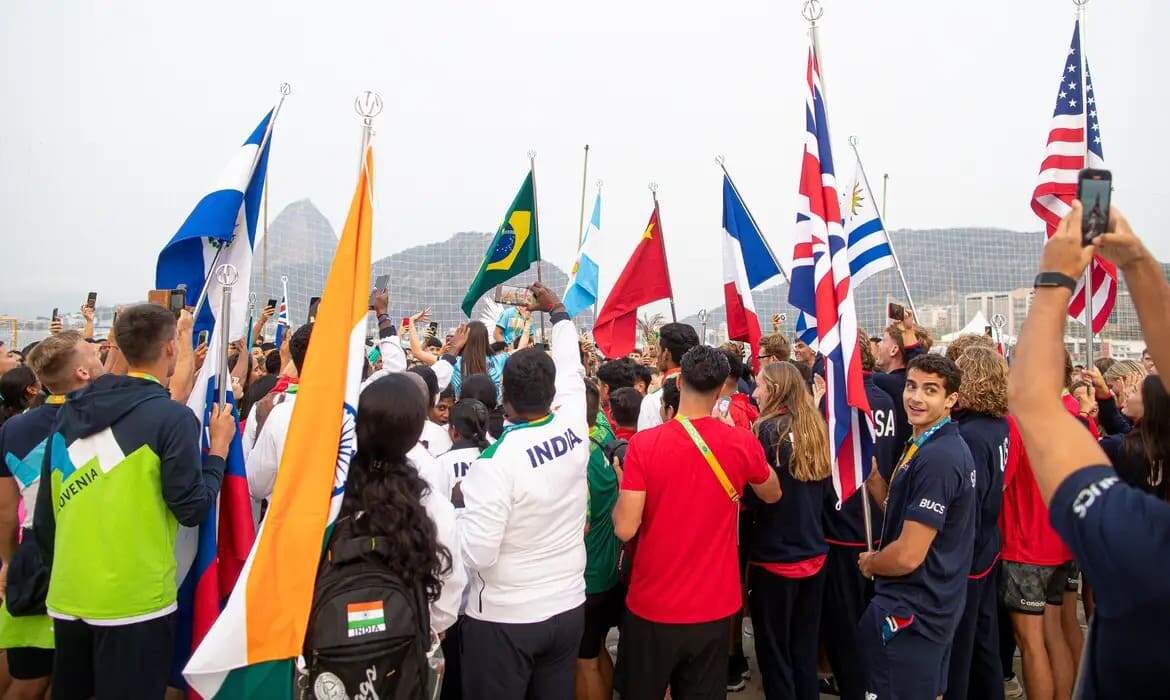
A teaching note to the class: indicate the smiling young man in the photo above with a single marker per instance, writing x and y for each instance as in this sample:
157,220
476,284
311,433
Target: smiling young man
920,574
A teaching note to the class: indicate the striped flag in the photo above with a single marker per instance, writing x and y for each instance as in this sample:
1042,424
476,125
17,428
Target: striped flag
230,209
1075,129
869,244
251,649
209,557
821,287
282,323
748,262
582,291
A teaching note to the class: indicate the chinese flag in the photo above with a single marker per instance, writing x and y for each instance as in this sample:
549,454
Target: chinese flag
645,279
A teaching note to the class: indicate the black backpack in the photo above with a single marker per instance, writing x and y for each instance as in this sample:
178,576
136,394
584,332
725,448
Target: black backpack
369,633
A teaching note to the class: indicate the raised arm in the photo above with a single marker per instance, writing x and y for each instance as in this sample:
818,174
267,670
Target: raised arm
1037,377
1147,287
566,354
183,378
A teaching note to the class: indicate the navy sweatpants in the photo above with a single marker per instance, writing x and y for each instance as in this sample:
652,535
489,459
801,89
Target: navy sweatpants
786,616
901,664
845,597
976,670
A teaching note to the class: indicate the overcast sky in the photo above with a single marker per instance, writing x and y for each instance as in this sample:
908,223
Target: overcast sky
115,118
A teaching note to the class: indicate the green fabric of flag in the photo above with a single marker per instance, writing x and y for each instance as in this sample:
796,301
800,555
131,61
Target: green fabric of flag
514,248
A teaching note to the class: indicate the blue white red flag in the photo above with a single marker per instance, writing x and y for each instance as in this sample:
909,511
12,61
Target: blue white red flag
748,262
211,556
282,324
1074,143
821,287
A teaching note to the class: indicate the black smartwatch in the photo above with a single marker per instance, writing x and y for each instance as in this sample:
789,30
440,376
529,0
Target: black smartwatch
1055,279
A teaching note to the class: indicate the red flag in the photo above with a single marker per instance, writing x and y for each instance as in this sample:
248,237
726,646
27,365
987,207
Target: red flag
645,279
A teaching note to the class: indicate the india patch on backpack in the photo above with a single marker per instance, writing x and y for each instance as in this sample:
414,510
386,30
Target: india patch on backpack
369,631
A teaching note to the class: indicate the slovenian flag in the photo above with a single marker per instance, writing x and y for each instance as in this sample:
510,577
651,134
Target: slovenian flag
582,291
210,557
250,650
224,218
748,262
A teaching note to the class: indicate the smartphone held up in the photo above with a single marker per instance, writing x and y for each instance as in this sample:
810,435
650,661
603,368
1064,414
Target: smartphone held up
1094,188
512,295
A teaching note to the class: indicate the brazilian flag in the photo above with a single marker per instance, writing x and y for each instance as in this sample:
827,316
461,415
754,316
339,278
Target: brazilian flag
514,248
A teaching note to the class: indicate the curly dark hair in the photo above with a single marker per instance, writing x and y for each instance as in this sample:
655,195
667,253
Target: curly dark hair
386,489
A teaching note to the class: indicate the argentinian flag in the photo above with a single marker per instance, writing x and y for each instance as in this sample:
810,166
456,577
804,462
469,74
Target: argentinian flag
226,217
582,291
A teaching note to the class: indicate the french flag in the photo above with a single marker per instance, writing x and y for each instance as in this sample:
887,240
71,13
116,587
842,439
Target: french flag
822,288
748,262
224,221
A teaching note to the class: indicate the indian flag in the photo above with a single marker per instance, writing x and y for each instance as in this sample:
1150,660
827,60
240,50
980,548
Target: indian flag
364,618
249,652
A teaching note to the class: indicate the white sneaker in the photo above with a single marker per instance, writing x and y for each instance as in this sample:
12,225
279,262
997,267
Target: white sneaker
1012,688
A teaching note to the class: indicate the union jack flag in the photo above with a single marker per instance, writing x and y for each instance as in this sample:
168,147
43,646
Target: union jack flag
1075,130
821,288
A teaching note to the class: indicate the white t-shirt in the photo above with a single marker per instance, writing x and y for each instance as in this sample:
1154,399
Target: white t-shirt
456,462
436,438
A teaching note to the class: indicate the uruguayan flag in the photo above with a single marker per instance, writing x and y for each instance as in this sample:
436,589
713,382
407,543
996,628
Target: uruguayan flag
582,291
224,218
869,246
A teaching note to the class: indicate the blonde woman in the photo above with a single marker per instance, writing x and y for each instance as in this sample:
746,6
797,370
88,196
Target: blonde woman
975,668
787,553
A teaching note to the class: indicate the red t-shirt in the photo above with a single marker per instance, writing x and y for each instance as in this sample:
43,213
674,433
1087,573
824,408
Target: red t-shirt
623,433
686,566
1028,537
742,412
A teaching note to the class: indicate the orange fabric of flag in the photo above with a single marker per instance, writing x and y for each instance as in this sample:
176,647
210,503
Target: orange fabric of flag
645,279
280,587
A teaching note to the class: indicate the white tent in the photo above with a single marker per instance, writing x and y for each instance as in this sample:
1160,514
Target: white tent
976,326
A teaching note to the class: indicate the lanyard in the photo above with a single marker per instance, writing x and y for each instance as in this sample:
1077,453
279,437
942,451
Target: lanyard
908,454
291,389
55,399
708,455
144,375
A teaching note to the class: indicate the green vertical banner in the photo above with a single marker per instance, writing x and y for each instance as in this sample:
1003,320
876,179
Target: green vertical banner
514,248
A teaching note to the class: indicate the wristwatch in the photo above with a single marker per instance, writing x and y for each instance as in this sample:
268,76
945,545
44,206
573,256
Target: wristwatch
1055,279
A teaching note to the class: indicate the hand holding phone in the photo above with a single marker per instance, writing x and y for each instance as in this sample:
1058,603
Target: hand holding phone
512,295
895,312
1094,188
91,300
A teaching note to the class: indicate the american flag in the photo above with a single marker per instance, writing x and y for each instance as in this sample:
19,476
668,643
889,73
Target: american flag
821,288
1064,158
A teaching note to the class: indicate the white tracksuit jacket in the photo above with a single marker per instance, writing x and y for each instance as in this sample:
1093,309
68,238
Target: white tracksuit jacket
522,530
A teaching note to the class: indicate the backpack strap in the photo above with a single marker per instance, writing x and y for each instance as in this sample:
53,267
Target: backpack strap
358,548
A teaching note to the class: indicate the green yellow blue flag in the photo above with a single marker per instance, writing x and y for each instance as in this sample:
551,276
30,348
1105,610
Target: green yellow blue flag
514,248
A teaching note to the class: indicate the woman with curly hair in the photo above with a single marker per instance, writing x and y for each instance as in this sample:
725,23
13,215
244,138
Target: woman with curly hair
386,497
976,670
787,553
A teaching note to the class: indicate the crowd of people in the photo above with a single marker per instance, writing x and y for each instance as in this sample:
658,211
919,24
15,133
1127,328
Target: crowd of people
544,501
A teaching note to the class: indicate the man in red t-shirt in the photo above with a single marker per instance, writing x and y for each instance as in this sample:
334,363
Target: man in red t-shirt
685,583
1033,578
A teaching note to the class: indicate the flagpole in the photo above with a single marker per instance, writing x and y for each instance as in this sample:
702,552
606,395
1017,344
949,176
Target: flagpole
536,226
885,184
812,11
1087,283
853,141
581,222
599,182
368,105
226,275
285,89
767,247
662,242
